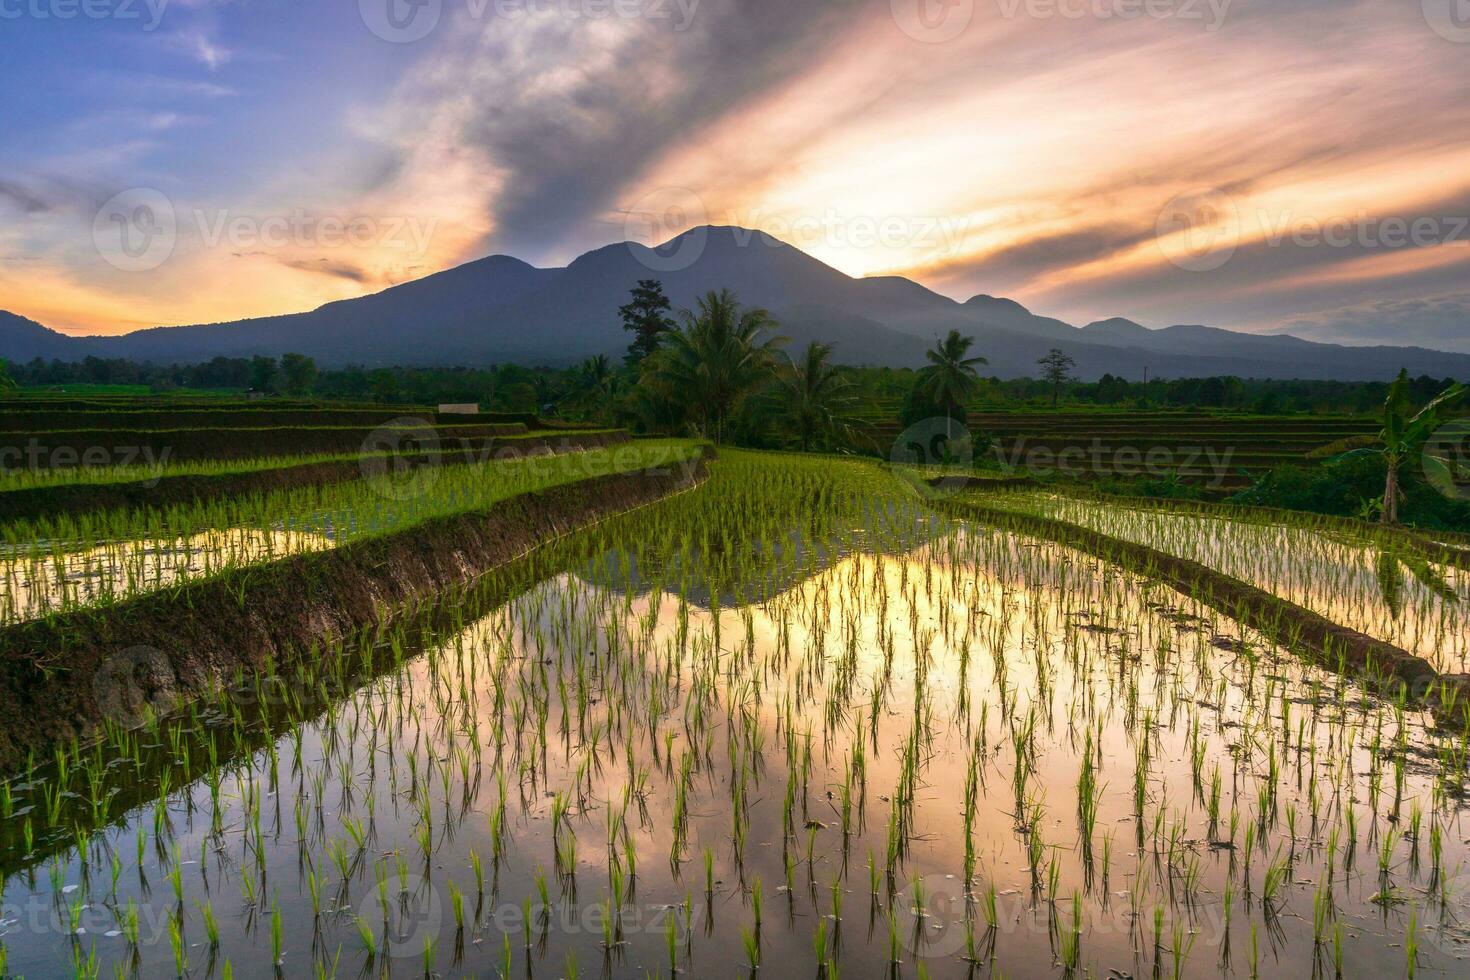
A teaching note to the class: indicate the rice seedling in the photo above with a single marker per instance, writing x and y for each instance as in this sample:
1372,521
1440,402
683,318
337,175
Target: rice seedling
791,666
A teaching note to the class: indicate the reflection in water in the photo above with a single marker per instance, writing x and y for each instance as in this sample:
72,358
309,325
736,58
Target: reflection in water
1423,608
68,561
43,580
893,752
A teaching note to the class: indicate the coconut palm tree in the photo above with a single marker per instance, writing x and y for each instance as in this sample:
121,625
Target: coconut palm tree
716,358
815,396
950,380
593,384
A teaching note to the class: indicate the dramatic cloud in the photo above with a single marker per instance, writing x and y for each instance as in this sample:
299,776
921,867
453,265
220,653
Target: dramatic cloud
1191,163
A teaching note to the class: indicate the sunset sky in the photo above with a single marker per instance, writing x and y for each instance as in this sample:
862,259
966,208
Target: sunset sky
1269,165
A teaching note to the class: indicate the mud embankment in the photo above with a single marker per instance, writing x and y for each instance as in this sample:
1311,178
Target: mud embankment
1380,666
59,677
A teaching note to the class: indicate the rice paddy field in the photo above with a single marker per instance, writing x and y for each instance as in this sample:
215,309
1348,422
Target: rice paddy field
1216,451
801,719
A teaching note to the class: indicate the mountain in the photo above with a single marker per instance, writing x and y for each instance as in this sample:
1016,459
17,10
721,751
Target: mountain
26,340
500,309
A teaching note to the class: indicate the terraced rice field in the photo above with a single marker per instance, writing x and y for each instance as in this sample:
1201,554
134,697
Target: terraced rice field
798,719
1216,451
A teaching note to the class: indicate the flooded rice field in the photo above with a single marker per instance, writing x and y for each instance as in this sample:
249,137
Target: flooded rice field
788,724
64,563
1420,606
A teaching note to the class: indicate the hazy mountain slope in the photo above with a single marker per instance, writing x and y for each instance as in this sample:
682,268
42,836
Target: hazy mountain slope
502,309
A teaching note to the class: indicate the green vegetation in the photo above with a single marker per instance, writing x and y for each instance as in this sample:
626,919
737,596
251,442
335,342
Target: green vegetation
796,719
59,563
706,370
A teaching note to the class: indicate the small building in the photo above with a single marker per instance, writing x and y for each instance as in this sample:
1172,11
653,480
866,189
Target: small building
462,408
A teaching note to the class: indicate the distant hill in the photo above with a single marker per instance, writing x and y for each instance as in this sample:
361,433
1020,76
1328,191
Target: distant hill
500,309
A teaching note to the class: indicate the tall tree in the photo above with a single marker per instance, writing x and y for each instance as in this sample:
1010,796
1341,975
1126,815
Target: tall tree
950,380
1056,368
646,316
7,383
815,397
592,387
262,373
713,361
299,373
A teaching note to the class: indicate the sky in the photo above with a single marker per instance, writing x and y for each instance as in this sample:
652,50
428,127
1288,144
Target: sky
1265,165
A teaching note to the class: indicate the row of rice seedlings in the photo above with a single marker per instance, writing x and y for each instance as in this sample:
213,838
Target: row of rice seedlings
1361,582
57,564
25,478
816,684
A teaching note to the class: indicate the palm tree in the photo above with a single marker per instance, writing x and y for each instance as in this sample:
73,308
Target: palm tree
815,396
713,360
593,386
950,380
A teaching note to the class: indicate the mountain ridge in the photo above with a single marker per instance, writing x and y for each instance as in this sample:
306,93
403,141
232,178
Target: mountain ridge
499,308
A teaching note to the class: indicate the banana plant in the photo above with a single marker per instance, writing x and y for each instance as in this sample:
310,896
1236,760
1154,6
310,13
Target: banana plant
1390,568
1404,435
